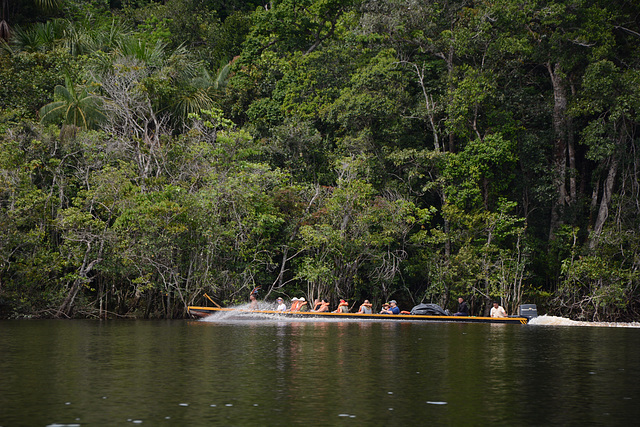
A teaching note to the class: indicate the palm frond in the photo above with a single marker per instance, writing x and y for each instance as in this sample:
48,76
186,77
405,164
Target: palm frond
5,47
25,39
80,108
47,4
64,93
222,77
53,112
193,102
78,40
132,47
203,80
40,36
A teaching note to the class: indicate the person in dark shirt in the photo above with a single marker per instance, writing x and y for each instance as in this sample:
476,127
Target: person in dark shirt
463,308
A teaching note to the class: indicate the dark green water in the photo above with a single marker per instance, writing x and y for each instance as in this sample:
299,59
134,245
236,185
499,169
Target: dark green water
266,372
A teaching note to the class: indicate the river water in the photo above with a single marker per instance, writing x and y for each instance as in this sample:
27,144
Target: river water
263,371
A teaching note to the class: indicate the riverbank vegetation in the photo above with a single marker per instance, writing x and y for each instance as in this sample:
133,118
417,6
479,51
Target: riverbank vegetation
155,151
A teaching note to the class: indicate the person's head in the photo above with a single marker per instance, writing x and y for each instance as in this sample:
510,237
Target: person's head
460,300
301,299
385,305
280,300
393,303
495,304
367,301
252,297
324,300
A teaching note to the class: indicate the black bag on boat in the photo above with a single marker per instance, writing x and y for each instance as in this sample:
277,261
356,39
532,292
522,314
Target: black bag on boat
429,310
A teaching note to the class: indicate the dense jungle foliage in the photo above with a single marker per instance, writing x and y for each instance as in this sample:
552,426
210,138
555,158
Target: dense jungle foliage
155,151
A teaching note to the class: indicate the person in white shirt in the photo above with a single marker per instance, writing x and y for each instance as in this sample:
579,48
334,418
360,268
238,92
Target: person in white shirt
498,311
281,305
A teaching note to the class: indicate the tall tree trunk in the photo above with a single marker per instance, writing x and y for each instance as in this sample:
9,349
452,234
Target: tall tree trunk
449,75
571,152
447,242
429,103
560,132
607,191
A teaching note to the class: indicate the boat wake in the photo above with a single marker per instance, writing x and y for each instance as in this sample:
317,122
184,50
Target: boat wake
561,321
266,319
242,313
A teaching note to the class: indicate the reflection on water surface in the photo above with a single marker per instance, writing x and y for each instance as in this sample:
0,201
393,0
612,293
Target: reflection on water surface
273,372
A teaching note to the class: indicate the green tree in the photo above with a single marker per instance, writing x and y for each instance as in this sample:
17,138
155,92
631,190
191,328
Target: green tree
356,237
73,106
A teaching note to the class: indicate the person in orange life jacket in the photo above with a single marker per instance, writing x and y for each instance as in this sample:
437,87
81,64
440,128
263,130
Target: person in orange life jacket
393,308
294,304
343,307
302,304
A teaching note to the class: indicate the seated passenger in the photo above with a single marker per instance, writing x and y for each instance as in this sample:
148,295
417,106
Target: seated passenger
302,304
253,302
324,306
365,308
385,308
463,308
281,304
393,308
294,304
343,307
498,311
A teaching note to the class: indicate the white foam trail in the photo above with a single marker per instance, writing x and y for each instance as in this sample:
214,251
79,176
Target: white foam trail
561,321
266,318
244,314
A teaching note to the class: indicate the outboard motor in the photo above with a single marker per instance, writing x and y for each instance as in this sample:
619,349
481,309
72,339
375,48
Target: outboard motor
528,310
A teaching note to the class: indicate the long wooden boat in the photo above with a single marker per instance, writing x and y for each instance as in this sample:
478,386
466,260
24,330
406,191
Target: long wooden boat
199,312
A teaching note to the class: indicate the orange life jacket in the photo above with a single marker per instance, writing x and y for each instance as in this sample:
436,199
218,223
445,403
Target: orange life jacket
342,304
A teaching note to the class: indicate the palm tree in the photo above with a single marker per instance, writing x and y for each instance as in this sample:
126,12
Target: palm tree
71,106
47,4
91,35
8,6
39,37
199,91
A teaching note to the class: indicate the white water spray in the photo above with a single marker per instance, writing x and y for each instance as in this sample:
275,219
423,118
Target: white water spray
561,321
